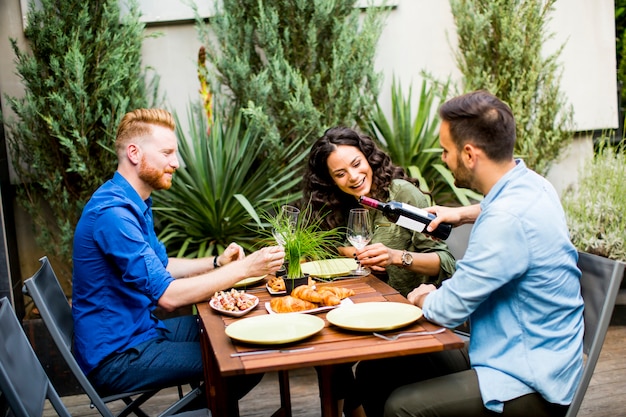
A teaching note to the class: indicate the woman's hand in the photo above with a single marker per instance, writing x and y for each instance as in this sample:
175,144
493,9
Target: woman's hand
376,256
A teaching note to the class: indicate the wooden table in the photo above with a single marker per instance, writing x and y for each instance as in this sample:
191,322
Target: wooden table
332,346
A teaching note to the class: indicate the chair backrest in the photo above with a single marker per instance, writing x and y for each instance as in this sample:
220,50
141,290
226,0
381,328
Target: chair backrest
56,313
458,240
599,284
23,380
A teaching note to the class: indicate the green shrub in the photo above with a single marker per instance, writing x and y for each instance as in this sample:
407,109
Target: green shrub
500,50
596,210
82,75
296,67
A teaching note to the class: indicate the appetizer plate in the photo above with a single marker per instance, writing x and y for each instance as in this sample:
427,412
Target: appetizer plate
215,305
275,328
329,268
374,316
344,302
247,282
272,292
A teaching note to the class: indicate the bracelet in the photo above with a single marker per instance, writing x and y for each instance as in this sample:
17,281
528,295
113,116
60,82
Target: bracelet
215,265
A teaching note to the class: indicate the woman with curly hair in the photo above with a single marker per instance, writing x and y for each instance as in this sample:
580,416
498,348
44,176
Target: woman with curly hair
344,165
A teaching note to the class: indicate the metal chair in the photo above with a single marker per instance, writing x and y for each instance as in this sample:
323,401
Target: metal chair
23,380
458,240
56,313
600,283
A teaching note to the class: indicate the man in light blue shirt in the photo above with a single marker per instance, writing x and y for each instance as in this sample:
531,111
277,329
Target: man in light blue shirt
518,284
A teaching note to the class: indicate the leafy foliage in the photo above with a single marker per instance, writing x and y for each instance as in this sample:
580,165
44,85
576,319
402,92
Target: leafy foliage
82,75
412,141
294,66
500,50
596,210
306,240
221,186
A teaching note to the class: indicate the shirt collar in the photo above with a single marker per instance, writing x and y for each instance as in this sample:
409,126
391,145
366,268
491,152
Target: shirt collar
119,180
516,172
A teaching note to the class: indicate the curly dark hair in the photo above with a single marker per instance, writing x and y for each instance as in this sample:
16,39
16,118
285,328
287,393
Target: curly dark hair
320,190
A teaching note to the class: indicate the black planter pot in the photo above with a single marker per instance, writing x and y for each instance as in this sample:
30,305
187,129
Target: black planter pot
291,283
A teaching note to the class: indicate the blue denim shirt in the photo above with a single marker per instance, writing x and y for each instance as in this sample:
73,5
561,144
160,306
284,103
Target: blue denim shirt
119,274
519,285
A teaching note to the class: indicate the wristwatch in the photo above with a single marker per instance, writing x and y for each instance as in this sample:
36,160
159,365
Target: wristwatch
407,259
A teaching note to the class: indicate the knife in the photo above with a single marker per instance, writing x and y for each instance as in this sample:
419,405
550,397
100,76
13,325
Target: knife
261,352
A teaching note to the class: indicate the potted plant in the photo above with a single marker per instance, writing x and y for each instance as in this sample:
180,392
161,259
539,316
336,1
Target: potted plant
301,235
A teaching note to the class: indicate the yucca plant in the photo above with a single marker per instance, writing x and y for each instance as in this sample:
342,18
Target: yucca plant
412,141
220,187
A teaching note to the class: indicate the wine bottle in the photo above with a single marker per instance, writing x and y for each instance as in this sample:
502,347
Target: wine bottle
408,216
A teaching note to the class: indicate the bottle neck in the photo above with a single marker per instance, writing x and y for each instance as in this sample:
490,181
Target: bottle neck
370,202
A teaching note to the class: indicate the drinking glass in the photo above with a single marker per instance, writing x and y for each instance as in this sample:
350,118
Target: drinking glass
287,220
359,234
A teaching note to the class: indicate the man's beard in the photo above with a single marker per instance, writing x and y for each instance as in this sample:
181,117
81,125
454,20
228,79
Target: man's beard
462,175
155,178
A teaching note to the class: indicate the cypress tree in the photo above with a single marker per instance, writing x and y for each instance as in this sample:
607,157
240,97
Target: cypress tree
500,50
81,75
296,67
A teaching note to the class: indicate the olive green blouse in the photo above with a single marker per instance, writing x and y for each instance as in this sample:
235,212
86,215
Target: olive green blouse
397,237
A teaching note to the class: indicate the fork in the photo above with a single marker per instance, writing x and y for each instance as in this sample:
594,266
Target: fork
397,336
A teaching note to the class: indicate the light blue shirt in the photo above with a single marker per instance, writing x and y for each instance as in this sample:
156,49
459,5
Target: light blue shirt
519,285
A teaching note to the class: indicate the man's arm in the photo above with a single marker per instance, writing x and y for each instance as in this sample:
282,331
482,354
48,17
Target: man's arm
456,216
182,292
184,267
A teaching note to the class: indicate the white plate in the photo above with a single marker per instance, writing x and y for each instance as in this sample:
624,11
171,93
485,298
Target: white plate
329,268
235,313
246,282
275,328
272,292
374,316
345,301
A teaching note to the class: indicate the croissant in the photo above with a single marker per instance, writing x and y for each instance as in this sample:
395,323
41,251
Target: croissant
304,292
289,304
329,299
340,292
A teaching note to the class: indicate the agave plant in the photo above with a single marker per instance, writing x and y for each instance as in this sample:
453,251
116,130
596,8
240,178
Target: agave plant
223,181
412,142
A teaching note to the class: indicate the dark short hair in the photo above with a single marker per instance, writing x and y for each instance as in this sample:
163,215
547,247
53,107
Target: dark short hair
482,119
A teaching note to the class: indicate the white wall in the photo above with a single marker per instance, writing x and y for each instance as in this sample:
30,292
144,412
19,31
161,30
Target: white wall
419,35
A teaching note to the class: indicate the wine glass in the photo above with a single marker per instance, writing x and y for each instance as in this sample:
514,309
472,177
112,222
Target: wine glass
359,234
287,221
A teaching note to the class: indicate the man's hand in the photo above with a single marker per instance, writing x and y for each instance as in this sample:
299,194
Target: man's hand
265,261
233,252
456,216
418,295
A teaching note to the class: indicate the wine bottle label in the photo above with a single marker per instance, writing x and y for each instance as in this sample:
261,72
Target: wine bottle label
410,224
418,211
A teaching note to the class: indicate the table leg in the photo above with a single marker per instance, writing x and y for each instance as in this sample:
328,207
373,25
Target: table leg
216,386
285,395
327,400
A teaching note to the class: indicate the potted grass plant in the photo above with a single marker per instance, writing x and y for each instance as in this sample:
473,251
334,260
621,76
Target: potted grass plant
301,235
